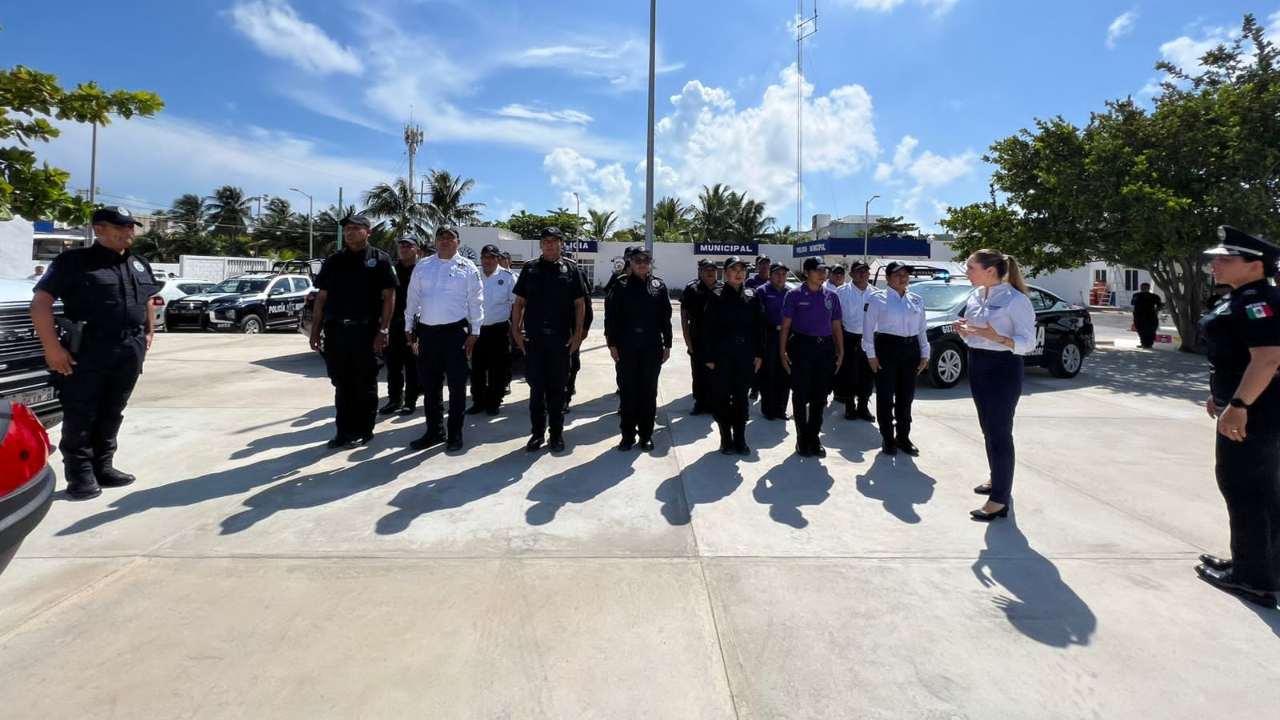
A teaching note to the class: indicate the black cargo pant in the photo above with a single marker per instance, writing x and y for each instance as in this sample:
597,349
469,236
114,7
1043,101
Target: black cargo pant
774,385
899,359
704,398
491,365
1146,328
854,380
638,369
813,369
547,370
1248,474
353,369
442,358
402,368
93,401
732,378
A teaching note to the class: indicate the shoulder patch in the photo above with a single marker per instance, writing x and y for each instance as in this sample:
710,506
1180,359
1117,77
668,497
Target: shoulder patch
1258,311
371,262
717,290
137,265
748,292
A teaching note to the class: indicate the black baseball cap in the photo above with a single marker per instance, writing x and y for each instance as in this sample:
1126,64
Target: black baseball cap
638,250
813,263
409,240
762,258
552,231
490,250
356,219
896,266
705,263
114,215
778,266
837,269
734,260
857,265
447,229
1237,242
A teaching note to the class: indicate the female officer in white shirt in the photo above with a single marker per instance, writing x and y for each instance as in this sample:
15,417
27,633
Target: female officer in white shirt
999,326
896,341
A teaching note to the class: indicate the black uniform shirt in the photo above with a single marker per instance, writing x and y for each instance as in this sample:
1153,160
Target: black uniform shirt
549,290
693,300
1146,306
109,291
403,274
588,315
1248,318
733,325
353,282
637,313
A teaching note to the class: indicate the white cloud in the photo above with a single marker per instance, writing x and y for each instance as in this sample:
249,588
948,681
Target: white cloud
275,28
601,188
624,64
1120,27
524,112
1273,21
940,7
707,139
1185,52
161,158
917,177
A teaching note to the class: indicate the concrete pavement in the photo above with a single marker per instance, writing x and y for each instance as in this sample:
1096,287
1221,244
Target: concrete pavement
252,573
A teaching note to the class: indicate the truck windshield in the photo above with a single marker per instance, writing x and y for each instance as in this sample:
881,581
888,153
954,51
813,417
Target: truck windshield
240,286
942,297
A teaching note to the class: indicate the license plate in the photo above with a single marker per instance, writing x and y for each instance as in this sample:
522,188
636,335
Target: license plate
32,397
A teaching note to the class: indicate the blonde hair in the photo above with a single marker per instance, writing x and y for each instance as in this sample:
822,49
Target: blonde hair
1006,267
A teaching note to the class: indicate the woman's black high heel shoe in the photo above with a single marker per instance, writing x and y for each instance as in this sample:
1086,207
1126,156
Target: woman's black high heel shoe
983,516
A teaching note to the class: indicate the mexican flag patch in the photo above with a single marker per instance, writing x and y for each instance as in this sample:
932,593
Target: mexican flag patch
1257,311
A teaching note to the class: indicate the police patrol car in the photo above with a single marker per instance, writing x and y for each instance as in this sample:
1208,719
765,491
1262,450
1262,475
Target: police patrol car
1064,332
250,303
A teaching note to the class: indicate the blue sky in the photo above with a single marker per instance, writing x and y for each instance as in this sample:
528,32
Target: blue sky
538,100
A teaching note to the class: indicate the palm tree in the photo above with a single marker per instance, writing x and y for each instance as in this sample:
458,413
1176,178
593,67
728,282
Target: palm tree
446,206
714,217
396,205
749,221
671,220
228,211
186,214
601,224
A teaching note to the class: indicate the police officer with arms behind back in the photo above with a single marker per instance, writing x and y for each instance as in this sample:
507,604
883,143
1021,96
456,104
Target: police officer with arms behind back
106,294
491,361
855,379
1243,335
812,351
774,384
637,328
402,366
896,341
693,300
733,347
547,325
356,298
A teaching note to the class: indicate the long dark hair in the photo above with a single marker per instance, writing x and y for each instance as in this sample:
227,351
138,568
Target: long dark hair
1006,267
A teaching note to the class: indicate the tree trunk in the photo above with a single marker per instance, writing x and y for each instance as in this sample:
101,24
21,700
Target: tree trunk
1183,285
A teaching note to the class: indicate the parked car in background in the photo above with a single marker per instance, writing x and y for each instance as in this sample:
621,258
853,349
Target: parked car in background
1064,332
26,479
250,303
24,377
172,289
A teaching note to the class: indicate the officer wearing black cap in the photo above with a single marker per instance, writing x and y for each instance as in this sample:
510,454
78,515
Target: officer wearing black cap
835,278
575,359
355,302
547,324
1243,336
106,292
491,361
774,383
896,340
812,351
733,349
637,328
764,267
402,367
693,300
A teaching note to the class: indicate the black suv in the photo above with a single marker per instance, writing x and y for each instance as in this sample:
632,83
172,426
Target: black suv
249,303
24,377
1064,332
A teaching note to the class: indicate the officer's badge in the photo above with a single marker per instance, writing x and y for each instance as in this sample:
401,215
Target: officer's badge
501,281
137,265
826,302
654,282
1258,311
748,292
371,262
564,269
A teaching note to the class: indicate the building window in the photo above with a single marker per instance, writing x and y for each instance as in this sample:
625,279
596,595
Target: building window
1131,280
1100,276
588,269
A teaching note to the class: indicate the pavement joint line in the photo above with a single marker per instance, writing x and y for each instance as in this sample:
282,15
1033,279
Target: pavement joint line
349,557
1065,481
697,555
86,590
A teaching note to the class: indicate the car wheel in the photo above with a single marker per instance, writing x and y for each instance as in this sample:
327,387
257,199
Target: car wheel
947,366
1066,363
251,325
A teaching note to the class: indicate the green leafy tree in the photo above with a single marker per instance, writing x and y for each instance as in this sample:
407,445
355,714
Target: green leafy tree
716,213
749,220
186,215
227,211
671,221
1144,188
399,210
893,226
446,200
29,101
601,224
280,230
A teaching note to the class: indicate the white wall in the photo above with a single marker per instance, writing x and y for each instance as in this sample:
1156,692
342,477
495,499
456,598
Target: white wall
17,238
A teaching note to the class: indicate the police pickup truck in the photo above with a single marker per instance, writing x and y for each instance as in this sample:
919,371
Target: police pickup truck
1064,332
249,303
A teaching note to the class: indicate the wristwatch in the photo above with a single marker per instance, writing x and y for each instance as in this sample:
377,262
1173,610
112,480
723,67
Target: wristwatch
1238,403
385,331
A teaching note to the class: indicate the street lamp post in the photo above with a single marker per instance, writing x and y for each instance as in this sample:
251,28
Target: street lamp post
648,166
866,227
311,207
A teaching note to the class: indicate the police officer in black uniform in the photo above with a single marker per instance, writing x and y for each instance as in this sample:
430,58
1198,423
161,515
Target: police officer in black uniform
547,324
355,302
637,328
106,292
693,300
1243,335
575,360
402,367
733,349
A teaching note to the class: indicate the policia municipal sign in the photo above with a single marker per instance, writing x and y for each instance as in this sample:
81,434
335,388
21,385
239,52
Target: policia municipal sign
726,248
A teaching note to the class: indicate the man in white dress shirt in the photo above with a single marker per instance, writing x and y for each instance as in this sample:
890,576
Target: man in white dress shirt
855,379
446,296
491,361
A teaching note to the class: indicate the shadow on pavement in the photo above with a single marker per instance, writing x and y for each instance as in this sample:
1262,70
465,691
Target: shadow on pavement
308,364
795,483
898,484
579,485
711,478
1042,606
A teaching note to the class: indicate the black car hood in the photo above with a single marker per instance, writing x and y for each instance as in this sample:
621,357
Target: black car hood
221,298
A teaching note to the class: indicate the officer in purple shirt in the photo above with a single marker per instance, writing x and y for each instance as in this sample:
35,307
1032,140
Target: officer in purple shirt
811,348
773,379
763,270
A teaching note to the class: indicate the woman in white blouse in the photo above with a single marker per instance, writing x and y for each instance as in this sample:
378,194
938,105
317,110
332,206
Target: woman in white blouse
999,326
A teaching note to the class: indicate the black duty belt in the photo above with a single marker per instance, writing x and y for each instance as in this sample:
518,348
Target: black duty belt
444,326
815,339
121,334
348,322
900,339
